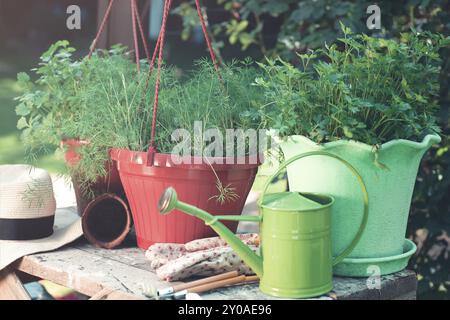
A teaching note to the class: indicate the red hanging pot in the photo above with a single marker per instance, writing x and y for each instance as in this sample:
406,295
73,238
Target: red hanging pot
146,175
195,184
109,183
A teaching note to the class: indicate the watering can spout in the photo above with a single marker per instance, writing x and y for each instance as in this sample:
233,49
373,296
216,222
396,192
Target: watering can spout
169,202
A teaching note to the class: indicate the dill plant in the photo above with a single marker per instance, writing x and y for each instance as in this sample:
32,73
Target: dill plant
117,111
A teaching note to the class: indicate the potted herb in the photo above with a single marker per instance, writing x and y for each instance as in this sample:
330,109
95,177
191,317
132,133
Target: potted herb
372,102
55,98
200,99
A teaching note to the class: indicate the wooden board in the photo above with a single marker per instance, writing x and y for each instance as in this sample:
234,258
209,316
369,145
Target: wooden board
124,273
11,287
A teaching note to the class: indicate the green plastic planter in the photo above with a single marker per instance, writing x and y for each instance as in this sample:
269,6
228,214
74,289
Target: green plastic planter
389,175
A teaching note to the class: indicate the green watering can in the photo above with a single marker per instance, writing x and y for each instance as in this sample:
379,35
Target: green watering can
296,259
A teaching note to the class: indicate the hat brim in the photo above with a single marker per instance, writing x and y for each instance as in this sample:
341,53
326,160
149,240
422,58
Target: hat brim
67,229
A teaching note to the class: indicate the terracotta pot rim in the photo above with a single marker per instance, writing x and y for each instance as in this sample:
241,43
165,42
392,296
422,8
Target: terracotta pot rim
165,160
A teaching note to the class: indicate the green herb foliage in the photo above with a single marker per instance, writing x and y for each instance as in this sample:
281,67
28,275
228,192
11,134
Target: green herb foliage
362,88
57,94
116,111
125,110
107,102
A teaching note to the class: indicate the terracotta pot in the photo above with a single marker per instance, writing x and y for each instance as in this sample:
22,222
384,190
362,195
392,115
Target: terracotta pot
106,221
194,183
109,183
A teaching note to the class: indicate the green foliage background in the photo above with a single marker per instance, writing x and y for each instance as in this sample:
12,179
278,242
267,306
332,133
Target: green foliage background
285,27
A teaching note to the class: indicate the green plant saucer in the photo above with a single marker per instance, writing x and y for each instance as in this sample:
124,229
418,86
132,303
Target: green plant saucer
365,267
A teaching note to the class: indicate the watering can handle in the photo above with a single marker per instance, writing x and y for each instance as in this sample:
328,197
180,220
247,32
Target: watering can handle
362,226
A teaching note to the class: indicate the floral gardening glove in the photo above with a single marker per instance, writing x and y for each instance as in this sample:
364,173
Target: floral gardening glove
160,254
202,257
203,263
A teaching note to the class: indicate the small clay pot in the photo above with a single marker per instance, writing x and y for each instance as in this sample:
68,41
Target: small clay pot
107,184
106,221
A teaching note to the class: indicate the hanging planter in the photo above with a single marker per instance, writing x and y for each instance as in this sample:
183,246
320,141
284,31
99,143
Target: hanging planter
110,183
51,107
195,183
219,188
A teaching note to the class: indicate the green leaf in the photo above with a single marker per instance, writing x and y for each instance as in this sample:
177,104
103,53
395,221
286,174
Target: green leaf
347,132
246,39
346,30
22,123
22,110
61,44
23,77
241,26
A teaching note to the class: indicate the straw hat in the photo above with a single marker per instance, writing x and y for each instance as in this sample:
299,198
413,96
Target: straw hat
27,214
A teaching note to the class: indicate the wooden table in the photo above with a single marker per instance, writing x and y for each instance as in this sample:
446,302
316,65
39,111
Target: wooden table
124,273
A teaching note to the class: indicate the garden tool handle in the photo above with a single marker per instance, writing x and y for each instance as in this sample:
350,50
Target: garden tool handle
362,226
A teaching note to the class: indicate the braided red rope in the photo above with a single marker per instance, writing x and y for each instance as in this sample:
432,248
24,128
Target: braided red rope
205,33
152,148
158,42
152,62
160,48
135,37
141,31
100,29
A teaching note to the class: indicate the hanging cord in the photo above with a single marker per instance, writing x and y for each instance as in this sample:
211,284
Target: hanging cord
100,29
152,62
207,39
160,45
160,48
141,31
135,37
136,20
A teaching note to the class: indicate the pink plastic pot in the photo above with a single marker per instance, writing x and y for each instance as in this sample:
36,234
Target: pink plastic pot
194,183
109,183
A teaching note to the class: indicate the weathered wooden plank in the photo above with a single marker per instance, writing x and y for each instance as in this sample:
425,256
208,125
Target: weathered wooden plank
126,254
391,287
11,287
124,273
90,270
89,274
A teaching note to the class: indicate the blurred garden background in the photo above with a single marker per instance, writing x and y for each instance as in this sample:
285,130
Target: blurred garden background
241,28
